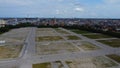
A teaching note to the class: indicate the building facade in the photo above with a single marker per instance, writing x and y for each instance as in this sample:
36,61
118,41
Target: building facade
2,23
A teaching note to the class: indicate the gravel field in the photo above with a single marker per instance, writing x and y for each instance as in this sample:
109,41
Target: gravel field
96,62
55,48
14,41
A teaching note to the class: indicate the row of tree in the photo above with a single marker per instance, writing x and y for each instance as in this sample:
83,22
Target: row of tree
86,28
91,29
9,27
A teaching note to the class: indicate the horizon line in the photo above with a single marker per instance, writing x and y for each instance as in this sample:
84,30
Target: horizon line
64,17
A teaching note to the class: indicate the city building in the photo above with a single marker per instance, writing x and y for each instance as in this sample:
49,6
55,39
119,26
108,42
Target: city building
2,23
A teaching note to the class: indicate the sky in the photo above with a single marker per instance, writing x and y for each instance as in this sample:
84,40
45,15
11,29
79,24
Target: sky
60,8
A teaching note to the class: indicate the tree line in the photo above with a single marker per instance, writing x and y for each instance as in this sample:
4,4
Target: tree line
9,27
80,27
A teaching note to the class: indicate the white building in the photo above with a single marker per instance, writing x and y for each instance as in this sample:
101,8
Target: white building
2,42
2,23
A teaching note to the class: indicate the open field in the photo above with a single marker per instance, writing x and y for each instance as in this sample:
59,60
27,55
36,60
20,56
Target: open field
87,46
61,31
46,32
10,50
111,42
18,34
71,37
55,48
44,29
96,62
97,36
49,38
79,31
14,41
47,48
11,40
42,65
114,57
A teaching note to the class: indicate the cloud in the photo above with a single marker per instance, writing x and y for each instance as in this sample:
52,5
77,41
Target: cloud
57,11
79,9
63,8
106,9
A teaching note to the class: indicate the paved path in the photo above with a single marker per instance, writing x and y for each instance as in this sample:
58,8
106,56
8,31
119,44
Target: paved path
64,64
68,56
30,50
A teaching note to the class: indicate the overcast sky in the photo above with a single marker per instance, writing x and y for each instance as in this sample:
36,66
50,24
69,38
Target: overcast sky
60,8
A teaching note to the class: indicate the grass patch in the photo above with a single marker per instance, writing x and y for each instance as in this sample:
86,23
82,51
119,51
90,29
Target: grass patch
49,38
112,42
114,57
104,62
72,38
61,31
68,62
79,31
10,51
89,46
97,36
42,65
